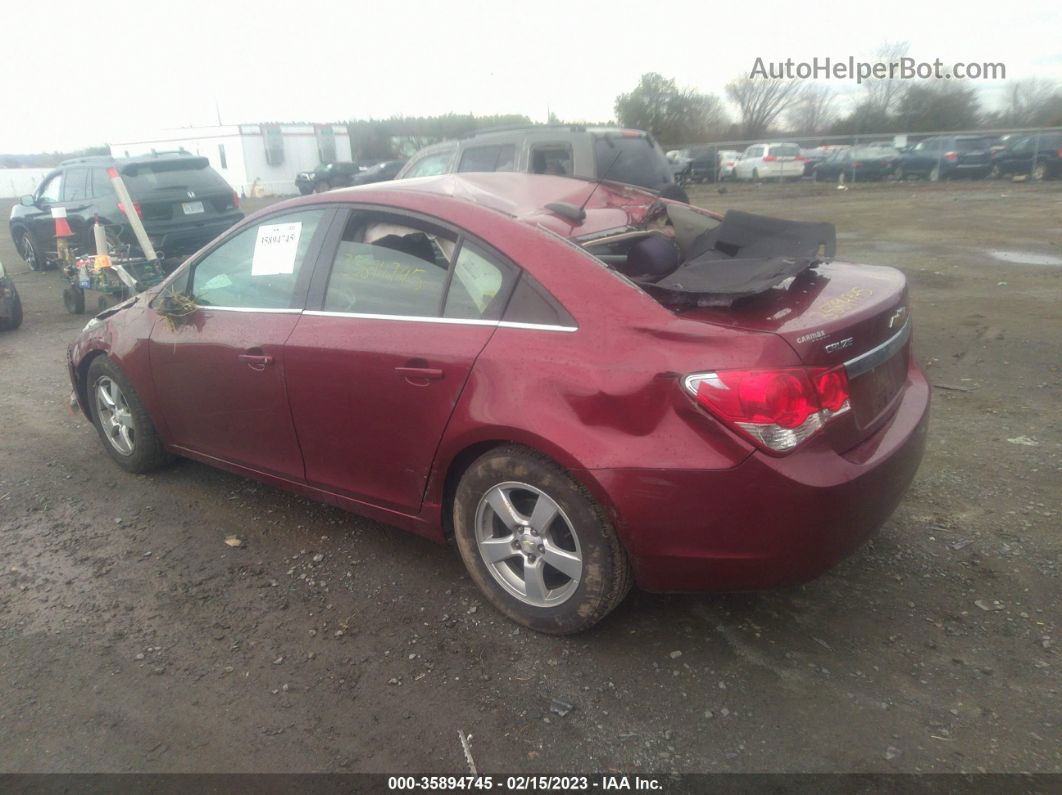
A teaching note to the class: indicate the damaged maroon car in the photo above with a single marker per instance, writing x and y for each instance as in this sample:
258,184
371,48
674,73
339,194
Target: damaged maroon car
581,384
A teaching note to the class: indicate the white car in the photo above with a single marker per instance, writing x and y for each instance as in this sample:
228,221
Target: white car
770,161
728,158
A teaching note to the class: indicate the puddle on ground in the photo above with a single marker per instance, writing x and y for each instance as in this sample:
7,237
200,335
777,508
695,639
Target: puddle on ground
1025,257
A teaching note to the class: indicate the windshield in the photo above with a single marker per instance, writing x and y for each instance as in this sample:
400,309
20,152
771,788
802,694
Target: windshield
639,163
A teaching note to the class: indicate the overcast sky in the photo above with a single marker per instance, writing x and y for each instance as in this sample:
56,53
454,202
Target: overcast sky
79,74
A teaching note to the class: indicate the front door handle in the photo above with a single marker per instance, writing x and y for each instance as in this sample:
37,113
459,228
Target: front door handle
256,361
415,374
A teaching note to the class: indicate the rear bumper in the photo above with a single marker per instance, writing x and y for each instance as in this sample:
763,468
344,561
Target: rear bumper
177,241
768,521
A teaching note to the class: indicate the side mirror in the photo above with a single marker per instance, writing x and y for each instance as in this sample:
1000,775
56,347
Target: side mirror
26,201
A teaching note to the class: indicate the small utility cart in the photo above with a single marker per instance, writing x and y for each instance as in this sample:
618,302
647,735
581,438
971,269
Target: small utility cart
100,282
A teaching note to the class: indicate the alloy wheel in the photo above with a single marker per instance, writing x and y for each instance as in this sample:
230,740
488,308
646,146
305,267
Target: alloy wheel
114,415
528,544
29,254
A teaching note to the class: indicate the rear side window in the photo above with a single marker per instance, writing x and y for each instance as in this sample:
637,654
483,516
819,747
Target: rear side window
532,303
100,183
552,159
630,159
479,286
431,165
259,267
74,184
501,157
385,268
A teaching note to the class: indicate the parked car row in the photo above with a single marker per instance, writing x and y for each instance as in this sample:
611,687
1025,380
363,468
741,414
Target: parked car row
344,175
935,158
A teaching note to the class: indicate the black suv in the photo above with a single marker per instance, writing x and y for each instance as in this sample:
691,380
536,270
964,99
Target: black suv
182,202
325,177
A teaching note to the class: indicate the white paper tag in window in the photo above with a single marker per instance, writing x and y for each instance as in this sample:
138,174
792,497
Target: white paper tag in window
276,249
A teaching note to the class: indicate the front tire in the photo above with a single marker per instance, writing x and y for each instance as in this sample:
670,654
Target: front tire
1039,172
537,544
934,175
14,320
29,253
124,426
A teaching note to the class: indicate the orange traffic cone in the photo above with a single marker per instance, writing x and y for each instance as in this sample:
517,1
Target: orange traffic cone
62,227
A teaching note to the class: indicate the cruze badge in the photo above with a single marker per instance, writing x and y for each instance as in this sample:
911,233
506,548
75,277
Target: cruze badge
840,345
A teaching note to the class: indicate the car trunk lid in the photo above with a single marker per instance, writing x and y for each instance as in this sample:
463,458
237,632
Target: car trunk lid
837,314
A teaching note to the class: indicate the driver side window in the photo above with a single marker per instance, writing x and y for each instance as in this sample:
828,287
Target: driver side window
52,189
259,267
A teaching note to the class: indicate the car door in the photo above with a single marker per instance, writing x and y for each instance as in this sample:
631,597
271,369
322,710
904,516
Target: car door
220,374
39,220
377,362
78,205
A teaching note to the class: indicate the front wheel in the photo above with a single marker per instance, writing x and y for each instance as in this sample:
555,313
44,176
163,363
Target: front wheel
536,543
1039,172
14,319
934,175
29,252
121,420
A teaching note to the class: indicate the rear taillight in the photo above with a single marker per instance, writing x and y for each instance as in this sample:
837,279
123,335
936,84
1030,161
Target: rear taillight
769,158
1059,152
951,157
801,158
136,206
236,200
777,409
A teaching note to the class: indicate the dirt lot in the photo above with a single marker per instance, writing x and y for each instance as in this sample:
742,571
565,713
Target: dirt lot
133,638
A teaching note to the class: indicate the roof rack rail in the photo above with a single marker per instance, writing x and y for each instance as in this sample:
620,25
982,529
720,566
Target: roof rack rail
519,127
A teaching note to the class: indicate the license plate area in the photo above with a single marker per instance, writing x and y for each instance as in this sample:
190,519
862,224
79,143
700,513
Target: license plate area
191,208
873,392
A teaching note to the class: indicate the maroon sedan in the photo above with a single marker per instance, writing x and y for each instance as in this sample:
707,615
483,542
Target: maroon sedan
471,357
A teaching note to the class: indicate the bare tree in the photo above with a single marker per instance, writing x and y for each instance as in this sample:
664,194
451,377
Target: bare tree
812,110
761,101
884,93
1030,102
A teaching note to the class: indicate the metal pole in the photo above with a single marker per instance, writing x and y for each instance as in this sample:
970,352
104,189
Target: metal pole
1036,155
131,213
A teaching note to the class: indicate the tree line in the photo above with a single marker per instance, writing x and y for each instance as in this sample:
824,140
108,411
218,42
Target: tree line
676,115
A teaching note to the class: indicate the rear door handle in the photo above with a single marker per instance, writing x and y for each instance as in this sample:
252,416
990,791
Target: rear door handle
256,361
420,373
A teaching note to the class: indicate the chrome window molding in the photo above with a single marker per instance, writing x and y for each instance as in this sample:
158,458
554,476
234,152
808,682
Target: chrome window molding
456,321
866,362
272,311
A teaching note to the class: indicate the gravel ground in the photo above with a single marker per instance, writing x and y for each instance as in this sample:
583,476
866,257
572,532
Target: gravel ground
132,638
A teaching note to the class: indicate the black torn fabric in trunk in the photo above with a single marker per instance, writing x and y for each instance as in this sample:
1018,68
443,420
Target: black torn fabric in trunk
745,255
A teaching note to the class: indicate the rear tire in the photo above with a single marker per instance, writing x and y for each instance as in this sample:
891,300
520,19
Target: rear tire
1039,172
934,175
124,426
544,518
995,172
74,299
